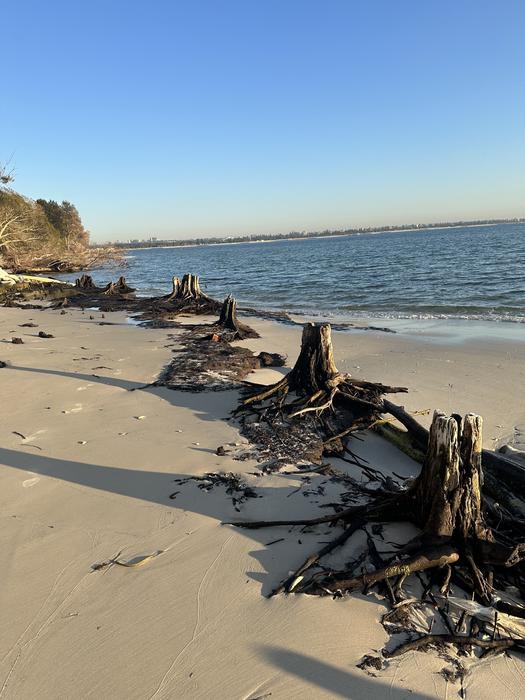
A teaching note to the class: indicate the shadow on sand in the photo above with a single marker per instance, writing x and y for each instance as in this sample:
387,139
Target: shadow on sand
333,679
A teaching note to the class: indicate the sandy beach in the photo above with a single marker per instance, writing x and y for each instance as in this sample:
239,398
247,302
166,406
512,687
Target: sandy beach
88,472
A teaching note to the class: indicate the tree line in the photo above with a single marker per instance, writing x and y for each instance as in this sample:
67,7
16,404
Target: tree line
39,235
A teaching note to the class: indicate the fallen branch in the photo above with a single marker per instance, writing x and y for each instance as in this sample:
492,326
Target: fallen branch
423,643
288,585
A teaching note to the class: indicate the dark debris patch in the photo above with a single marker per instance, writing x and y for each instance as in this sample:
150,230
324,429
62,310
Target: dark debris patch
233,484
369,662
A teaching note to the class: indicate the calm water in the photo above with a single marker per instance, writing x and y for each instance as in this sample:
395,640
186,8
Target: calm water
473,272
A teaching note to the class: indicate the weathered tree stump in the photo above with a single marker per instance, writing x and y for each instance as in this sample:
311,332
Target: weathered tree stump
308,413
228,315
447,494
315,368
117,288
186,296
319,387
189,288
85,282
446,502
504,478
175,281
229,326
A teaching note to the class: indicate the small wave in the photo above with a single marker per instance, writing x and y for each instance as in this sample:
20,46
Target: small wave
407,315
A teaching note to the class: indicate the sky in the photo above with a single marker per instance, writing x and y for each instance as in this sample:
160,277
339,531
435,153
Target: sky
201,118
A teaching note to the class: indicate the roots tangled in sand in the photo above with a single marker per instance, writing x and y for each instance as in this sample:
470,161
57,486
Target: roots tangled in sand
314,400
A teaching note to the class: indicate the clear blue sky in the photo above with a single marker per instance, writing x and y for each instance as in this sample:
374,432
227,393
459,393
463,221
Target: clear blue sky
212,117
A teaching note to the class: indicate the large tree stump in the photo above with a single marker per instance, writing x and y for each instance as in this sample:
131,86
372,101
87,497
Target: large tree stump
189,288
315,368
320,387
186,290
187,296
447,494
446,502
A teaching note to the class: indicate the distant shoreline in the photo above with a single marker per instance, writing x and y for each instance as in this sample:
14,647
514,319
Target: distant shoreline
335,234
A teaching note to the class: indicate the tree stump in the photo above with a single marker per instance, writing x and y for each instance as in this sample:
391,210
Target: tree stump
315,368
189,288
117,288
446,502
447,493
319,387
175,281
85,282
186,296
228,315
229,327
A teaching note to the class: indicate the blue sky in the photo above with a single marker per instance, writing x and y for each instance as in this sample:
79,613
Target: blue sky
177,119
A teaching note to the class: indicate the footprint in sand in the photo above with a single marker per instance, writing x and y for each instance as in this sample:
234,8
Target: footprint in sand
76,408
30,482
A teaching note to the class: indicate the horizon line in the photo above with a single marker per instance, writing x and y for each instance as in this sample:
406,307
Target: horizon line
153,241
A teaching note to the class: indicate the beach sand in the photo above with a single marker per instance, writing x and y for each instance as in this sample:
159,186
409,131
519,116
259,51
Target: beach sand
87,468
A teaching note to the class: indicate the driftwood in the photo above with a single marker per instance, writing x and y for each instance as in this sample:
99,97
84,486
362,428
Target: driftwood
446,503
12,279
422,643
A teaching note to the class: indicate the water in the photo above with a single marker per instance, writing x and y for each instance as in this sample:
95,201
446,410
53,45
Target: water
462,273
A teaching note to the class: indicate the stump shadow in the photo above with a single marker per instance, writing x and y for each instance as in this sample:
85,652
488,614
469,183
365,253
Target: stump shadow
333,679
205,404
156,487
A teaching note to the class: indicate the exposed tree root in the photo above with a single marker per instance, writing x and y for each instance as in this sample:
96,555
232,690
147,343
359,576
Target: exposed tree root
429,559
288,585
428,640
314,399
205,360
458,540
